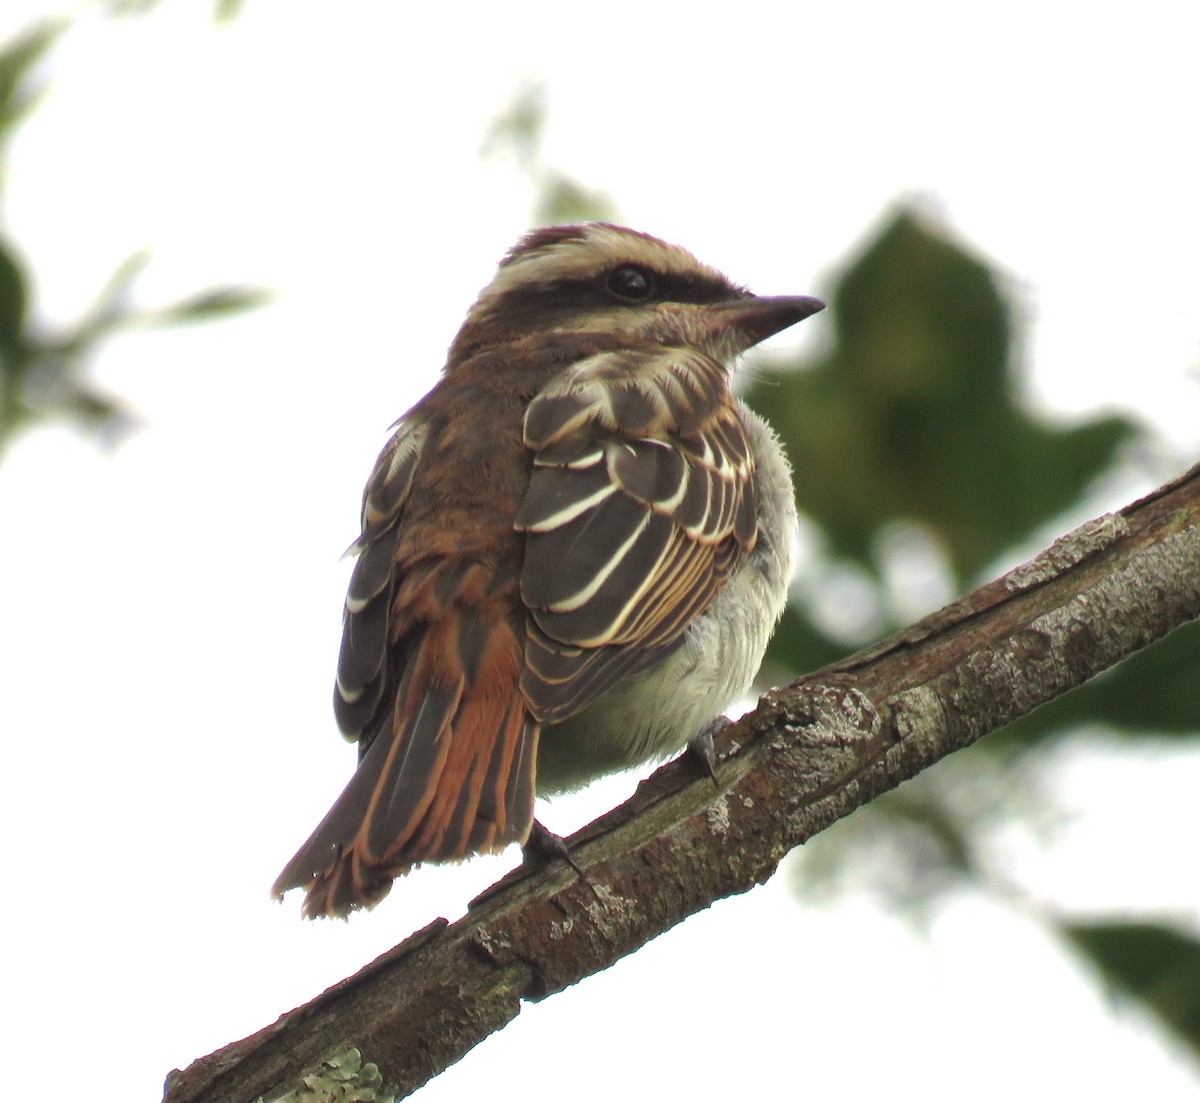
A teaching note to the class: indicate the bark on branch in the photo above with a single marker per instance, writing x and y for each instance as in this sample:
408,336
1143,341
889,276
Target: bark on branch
809,754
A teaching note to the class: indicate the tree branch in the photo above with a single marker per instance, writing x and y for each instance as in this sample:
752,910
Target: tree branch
809,754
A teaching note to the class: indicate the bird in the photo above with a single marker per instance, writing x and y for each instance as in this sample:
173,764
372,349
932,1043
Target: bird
573,552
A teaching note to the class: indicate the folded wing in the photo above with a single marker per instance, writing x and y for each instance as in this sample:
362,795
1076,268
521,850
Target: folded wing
640,504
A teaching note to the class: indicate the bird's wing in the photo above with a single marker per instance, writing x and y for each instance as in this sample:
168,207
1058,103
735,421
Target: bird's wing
640,504
362,667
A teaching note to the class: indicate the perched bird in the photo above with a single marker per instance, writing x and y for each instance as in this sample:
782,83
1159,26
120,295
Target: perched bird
574,550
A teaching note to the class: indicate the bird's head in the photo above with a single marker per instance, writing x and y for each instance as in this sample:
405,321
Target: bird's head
639,291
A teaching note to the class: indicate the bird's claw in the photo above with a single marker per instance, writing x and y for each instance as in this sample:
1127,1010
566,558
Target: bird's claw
543,844
705,750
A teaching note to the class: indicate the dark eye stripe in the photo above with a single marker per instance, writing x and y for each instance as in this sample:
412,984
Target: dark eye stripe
540,300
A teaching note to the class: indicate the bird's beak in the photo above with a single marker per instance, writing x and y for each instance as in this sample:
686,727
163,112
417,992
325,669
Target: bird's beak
745,322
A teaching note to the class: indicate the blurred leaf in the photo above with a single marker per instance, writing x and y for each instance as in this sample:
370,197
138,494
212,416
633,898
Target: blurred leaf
52,382
562,201
41,375
13,354
99,415
1156,965
214,303
224,11
919,807
131,7
914,413
13,296
227,10
111,308
518,128
17,60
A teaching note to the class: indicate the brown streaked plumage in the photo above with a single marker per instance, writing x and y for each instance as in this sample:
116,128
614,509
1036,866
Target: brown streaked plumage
573,551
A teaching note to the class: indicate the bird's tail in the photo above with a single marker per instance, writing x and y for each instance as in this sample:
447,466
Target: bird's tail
450,773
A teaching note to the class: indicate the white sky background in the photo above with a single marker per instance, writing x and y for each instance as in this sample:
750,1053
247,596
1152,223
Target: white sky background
171,610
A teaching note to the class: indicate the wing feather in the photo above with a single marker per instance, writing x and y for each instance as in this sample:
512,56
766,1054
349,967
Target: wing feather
641,502
362,664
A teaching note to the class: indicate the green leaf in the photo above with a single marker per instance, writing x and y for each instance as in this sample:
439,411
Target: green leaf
14,358
562,201
224,11
1156,965
915,415
227,10
14,294
214,303
111,309
518,128
131,7
17,60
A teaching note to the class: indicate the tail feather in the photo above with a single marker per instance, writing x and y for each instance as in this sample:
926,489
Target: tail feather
450,775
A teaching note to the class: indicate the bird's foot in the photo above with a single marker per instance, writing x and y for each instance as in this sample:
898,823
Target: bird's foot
543,844
705,750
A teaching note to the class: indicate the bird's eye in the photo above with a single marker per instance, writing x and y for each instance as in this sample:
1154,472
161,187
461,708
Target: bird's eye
630,284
